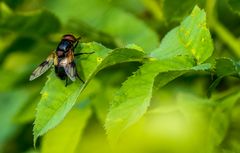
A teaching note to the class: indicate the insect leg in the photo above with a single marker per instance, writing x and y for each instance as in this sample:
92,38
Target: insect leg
76,43
79,78
66,82
77,54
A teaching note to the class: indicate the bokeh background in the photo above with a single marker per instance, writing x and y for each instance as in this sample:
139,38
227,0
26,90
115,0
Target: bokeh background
181,119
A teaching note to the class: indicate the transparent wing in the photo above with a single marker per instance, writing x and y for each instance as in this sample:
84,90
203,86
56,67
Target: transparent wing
71,71
69,66
43,67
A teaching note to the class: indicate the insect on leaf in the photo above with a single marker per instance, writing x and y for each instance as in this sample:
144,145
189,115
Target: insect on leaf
57,100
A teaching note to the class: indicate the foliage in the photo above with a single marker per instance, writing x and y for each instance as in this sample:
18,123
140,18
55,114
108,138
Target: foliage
164,77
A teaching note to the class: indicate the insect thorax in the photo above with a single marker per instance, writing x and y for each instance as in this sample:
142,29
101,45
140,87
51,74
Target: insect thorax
64,45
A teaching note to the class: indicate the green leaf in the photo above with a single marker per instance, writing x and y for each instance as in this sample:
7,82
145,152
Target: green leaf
179,42
27,114
94,140
191,38
224,67
198,112
27,23
104,17
220,120
203,67
210,117
130,103
57,100
235,5
10,103
165,77
122,55
66,136
227,67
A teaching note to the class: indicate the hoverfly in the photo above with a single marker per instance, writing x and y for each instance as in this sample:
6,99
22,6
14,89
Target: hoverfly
62,59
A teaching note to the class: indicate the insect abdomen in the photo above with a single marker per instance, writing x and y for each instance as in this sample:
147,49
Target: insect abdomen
60,72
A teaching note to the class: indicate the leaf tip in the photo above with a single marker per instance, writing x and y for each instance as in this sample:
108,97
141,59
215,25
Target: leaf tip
196,9
35,138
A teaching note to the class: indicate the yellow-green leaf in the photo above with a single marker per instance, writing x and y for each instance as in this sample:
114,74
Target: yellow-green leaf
65,137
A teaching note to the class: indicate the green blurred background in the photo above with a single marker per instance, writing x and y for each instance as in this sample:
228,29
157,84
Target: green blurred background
180,119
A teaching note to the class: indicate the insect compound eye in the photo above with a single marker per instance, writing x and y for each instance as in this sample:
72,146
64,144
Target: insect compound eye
64,45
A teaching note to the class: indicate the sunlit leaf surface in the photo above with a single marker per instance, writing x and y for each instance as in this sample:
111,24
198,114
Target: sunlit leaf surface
130,103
